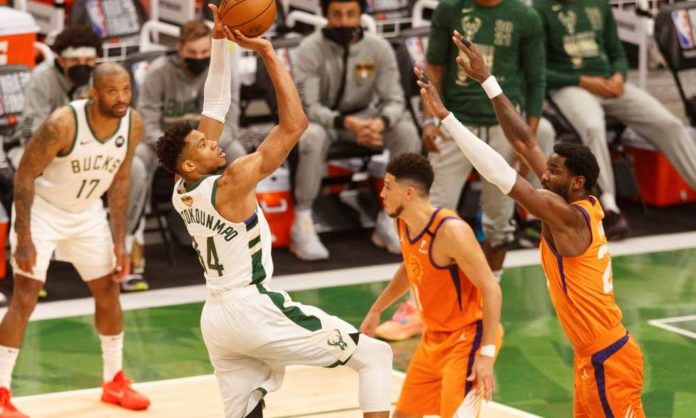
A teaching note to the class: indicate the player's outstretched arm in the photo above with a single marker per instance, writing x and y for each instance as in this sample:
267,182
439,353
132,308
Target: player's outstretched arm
217,92
118,195
460,244
543,204
396,288
515,128
245,172
53,137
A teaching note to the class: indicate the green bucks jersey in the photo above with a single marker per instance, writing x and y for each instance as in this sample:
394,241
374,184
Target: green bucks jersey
581,39
74,180
510,39
232,254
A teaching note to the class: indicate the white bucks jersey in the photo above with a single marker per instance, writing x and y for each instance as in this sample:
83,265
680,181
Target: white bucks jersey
74,180
232,254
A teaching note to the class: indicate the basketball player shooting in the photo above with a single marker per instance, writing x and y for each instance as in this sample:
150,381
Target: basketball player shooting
251,331
574,254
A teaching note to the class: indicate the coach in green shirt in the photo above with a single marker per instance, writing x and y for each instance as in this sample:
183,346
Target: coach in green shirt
510,38
586,75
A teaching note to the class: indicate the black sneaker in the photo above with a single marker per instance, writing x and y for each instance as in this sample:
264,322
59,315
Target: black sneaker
134,283
615,226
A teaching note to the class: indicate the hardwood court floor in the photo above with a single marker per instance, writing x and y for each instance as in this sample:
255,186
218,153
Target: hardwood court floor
307,392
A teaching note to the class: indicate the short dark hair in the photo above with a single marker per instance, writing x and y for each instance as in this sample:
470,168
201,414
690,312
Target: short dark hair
77,36
325,5
414,167
580,162
170,145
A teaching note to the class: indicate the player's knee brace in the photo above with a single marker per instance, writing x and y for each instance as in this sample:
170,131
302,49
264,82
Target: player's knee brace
372,360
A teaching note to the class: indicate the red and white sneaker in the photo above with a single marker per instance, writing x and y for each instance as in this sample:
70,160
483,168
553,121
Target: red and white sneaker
7,410
405,323
120,392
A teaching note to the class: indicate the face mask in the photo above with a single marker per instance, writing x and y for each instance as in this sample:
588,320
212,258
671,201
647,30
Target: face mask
343,35
197,66
80,74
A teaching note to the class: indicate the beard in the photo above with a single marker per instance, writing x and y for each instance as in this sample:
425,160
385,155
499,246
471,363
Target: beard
397,212
111,111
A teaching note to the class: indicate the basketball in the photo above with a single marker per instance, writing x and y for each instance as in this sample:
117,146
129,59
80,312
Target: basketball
251,17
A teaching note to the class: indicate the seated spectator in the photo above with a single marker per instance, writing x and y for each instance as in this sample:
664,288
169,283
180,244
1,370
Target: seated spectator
173,92
586,78
349,84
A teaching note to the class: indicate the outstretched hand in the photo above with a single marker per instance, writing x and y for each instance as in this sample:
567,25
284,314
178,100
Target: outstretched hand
256,44
431,99
474,66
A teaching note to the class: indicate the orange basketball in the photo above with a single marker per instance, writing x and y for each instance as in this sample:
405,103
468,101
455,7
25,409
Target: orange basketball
251,17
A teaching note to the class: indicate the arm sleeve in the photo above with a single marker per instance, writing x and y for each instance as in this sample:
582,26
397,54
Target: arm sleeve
309,84
388,84
217,93
440,36
614,48
232,118
533,56
491,165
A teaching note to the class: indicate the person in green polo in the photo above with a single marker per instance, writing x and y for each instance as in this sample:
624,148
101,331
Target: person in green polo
586,71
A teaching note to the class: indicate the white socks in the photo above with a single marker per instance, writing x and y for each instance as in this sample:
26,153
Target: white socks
8,357
112,355
609,203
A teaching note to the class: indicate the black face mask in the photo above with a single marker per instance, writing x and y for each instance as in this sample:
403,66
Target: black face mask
80,74
343,35
197,66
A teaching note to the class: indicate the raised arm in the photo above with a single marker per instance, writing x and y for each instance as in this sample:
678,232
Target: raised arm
244,173
459,244
543,204
516,129
118,195
53,137
217,93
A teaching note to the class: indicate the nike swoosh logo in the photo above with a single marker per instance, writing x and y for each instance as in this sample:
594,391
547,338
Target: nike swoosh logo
83,143
116,394
467,10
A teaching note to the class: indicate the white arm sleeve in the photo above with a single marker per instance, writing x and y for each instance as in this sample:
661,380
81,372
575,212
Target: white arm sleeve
217,93
491,165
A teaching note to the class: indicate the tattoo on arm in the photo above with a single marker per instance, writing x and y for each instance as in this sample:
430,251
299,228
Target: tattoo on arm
47,142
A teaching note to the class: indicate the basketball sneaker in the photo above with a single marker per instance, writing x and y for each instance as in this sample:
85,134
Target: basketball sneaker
120,392
134,282
7,410
304,241
405,323
385,235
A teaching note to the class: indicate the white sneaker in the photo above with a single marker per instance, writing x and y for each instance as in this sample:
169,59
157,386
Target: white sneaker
304,241
385,235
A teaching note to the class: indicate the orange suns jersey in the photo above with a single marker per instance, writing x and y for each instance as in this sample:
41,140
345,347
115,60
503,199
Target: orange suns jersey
581,287
445,297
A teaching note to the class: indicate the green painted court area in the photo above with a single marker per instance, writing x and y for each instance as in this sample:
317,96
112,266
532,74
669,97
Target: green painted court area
533,371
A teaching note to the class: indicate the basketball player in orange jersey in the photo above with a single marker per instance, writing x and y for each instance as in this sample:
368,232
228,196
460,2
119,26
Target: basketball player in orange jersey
455,292
574,252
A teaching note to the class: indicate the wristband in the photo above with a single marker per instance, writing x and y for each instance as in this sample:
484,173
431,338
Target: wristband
488,350
491,87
